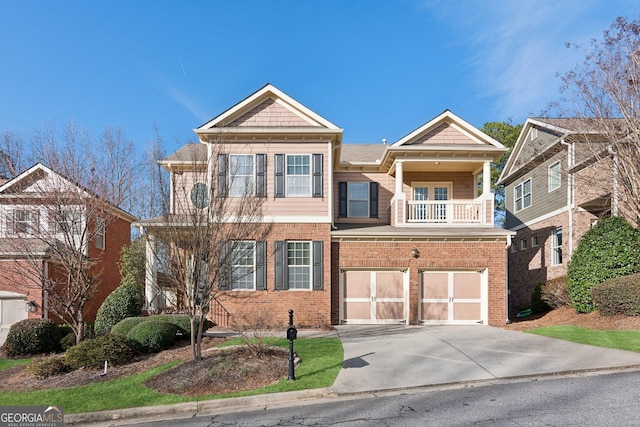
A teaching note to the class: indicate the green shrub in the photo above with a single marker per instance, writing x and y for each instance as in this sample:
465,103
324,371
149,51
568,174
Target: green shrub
153,335
125,301
537,303
610,249
555,294
68,341
620,295
125,325
92,353
182,322
32,336
44,367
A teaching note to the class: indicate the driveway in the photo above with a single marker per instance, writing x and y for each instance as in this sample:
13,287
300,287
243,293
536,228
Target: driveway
391,357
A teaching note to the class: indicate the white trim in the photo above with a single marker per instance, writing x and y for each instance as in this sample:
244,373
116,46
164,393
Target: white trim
515,198
286,175
559,164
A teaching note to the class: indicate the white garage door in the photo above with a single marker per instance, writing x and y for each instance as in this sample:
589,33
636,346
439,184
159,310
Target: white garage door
453,297
374,297
12,310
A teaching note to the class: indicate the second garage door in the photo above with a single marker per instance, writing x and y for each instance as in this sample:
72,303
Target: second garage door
374,297
453,297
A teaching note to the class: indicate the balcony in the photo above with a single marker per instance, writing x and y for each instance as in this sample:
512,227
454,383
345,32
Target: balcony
461,212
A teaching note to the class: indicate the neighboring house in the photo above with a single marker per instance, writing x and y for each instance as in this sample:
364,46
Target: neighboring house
555,190
361,234
26,229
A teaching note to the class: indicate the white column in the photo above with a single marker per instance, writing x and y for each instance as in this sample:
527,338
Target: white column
486,179
151,291
399,178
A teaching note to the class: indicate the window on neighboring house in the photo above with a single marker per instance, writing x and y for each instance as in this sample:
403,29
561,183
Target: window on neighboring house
554,176
242,175
556,246
23,221
514,247
298,175
66,221
299,265
522,195
534,240
100,234
358,199
523,244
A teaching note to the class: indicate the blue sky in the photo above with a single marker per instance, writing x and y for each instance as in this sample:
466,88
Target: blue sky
378,69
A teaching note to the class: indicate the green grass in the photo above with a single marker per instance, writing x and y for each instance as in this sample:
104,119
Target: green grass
321,360
10,363
621,340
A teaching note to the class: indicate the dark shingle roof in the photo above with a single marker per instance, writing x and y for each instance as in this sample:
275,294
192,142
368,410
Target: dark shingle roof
189,153
362,153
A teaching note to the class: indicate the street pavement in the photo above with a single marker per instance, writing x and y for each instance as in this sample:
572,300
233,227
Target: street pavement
394,357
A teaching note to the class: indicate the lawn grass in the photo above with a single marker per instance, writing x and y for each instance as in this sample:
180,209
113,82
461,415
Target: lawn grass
321,360
10,363
618,339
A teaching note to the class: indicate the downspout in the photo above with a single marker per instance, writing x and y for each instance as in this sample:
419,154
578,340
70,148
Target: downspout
330,185
506,282
616,171
570,164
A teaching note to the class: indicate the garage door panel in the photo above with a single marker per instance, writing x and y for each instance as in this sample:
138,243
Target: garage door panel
435,311
436,286
467,285
389,284
389,310
357,284
466,311
357,310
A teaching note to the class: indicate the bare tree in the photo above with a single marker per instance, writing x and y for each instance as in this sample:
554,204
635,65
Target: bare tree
63,207
213,228
601,97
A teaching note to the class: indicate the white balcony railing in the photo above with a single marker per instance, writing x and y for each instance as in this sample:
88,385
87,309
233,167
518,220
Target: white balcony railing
446,211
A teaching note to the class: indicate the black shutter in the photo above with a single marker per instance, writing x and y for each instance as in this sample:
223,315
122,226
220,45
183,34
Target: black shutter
342,199
318,257
317,176
373,200
280,256
224,261
223,163
279,177
261,267
261,175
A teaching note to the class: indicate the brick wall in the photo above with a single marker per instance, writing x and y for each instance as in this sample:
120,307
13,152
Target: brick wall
14,279
433,255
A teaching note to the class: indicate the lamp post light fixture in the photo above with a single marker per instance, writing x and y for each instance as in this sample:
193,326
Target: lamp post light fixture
32,306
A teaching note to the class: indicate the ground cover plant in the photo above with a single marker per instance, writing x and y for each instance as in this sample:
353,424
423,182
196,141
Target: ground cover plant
320,362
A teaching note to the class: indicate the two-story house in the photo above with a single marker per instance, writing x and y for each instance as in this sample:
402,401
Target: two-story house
32,218
360,233
558,182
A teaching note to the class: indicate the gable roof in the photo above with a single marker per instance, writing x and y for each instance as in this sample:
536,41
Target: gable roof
268,107
447,129
38,171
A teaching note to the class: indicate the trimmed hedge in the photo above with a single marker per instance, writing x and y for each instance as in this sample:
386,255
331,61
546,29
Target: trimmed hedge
153,335
92,353
44,367
182,322
32,336
124,326
620,295
610,249
125,301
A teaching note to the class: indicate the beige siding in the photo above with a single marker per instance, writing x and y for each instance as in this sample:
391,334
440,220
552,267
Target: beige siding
385,193
444,134
269,113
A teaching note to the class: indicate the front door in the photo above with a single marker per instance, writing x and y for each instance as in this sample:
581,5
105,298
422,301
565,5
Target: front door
373,297
426,191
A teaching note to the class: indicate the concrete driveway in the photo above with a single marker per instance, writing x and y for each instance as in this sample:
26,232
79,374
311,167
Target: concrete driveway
389,357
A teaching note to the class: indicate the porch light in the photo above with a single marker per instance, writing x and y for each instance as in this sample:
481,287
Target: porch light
32,306
415,253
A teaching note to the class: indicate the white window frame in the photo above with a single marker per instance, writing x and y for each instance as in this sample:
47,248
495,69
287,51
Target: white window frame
101,234
351,199
292,268
523,196
236,265
514,247
241,184
534,241
556,246
25,224
289,177
523,244
554,176
68,222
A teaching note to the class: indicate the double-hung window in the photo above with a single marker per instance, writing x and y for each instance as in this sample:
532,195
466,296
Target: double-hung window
554,176
299,175
100,234
23,221
299,265
298,180
244,266
522,195
358,199
556,246
241,175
